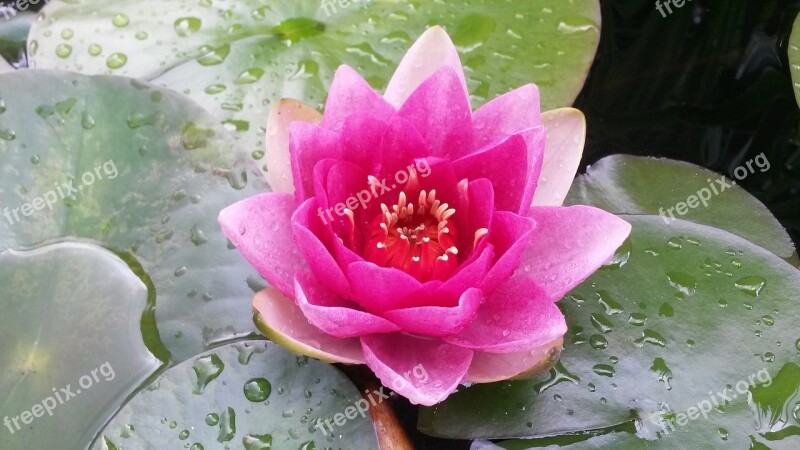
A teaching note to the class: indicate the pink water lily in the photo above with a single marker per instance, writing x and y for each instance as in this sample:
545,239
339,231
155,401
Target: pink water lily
411,234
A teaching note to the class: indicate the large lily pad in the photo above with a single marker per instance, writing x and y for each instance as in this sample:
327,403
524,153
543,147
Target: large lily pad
251,395
683,310
625,184
72,347
236,57
794,57
150,172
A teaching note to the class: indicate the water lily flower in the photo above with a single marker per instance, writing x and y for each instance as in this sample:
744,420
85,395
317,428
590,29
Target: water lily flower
411,234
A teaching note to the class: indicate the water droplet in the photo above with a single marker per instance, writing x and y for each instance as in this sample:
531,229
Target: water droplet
212,419
35,159
214,56
215,89
198,237
650,337
666,310
87,121
722,303
611,306
63,50
723,434
2,106
141,35
257,389
598,341
683,282
120,20
637,319
8,135
605,370
768,321
207,369
173,425
227,425
67,34
249,76
195,137
663,372
197,446
257,442
751,285
601,323
675,243
184,435
187,26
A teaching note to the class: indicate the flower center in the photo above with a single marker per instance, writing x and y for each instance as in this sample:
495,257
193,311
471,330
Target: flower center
417,238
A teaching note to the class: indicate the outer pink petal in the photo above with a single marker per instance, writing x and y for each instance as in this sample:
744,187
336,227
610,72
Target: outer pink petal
569,244
283,322
517,316
492,367
566,134
438,320
511,113
260,228
310,144
425,371
432,51
440,111
350,93
278,158
334,315
379,289
307,229
400,145
509,235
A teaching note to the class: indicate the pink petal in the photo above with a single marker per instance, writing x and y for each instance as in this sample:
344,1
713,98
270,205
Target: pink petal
511,113
469,275
260,228
511,165
438,320
509,235
517,316
493,367
278,158
400,145
379,289
361,140
566,134
425,371
307,228
310,144
335,316
569,244
432,51
349,93
440,111
283,322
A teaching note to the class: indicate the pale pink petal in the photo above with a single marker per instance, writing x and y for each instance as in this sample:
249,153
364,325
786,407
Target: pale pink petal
438,320
569,244
425,371
509,114
277,157
283,322
350,93
440,111
260,228
566,134
493,367
517,316
432,51
333,314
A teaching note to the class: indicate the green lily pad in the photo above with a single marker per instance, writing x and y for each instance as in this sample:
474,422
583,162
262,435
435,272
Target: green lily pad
237,57
72,343
794,57
684,310
624,184
251,395
139,170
